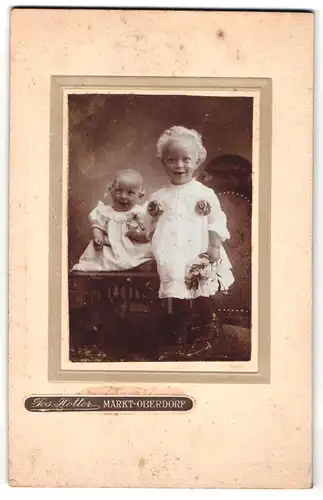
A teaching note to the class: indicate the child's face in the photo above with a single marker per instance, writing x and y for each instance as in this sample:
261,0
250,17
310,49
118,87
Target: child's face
125,193
180,160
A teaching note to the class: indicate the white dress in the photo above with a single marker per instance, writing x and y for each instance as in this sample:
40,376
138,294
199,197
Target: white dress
181,234
122,253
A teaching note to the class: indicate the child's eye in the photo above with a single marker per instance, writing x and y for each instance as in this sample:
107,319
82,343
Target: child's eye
187,159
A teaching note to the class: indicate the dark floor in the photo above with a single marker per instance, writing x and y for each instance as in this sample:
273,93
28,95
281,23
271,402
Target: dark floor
138,338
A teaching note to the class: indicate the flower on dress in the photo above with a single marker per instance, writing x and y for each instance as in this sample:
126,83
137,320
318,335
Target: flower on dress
203,207
154,209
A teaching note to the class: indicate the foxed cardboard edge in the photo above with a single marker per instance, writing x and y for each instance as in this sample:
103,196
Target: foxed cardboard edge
116,451
58,84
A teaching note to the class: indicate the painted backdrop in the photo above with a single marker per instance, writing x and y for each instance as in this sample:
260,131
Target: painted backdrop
110,132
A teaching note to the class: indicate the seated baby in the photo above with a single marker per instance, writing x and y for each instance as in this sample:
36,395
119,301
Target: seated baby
119,237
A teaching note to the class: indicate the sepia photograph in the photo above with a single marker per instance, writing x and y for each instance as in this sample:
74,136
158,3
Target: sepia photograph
159,227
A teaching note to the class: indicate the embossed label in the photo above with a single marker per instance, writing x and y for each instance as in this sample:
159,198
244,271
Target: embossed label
107,403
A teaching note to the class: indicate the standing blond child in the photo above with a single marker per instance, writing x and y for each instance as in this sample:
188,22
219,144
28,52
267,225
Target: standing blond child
186,222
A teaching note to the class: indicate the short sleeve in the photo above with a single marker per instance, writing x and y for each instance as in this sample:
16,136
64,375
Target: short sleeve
98,218
217,220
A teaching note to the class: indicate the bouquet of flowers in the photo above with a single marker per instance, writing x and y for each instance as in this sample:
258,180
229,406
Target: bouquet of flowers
201,271
134,223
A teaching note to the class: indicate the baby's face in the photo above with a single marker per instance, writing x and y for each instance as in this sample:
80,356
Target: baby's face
180,159
125,193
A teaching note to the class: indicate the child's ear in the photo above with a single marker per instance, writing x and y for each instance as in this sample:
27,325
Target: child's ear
142,193
199,162
109,188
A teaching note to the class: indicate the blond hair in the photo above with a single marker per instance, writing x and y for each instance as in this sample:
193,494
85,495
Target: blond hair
177,132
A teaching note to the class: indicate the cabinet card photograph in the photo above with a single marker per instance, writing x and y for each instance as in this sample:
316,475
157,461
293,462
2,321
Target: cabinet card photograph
160,248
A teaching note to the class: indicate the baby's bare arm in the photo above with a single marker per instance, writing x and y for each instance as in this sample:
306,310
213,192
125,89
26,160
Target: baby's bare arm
98,238
97,234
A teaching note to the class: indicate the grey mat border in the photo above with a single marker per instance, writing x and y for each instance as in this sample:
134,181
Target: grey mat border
58,84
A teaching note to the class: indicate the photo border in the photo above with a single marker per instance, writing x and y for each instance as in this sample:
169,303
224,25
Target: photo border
61,83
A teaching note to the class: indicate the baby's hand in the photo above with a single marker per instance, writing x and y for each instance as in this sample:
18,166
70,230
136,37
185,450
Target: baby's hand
98,243
137,237
214,254
99,238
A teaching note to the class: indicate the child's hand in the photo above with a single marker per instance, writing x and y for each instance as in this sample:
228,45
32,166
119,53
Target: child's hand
98,243
137,237
214,254
100,239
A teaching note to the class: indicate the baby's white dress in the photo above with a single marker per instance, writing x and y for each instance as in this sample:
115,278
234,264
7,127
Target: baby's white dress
181,235
122,253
